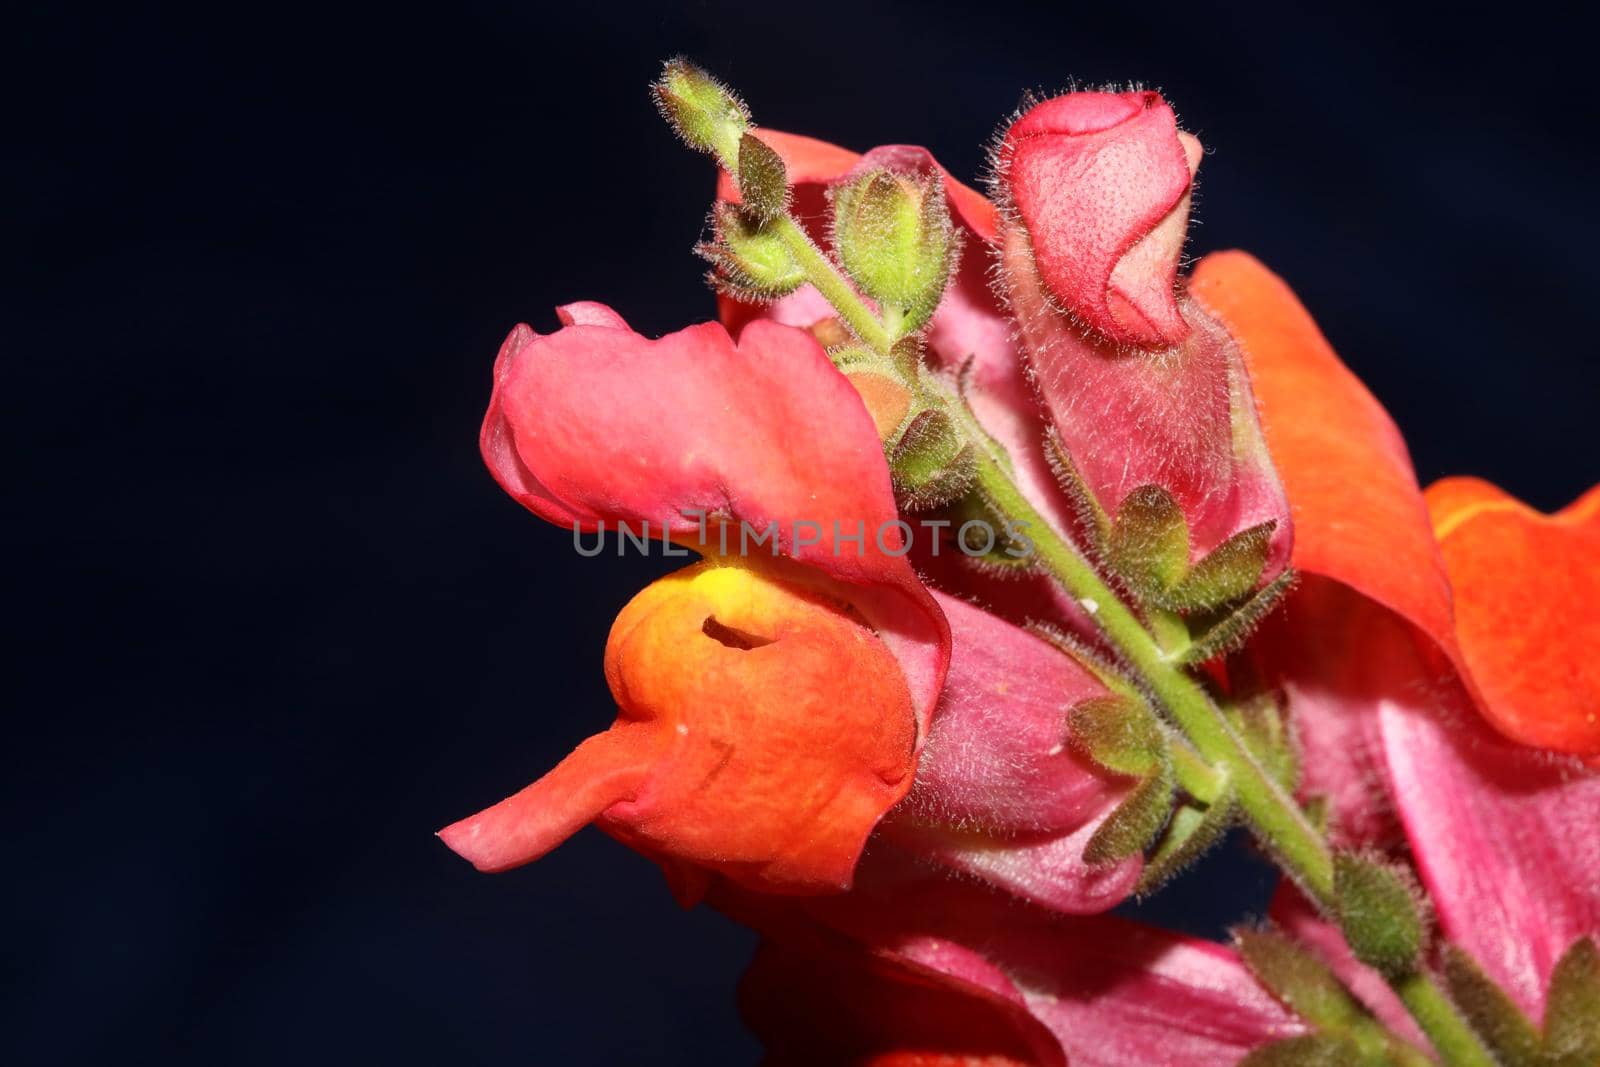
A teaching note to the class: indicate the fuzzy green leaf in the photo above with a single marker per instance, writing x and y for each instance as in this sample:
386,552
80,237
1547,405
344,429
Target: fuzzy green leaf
931,464
1191,832
1297,977
1227,573
763,179
1090,514
1120,733
1572,1009
1493,1014
1135,822
1148,545
1229,631
1308,1050
749,260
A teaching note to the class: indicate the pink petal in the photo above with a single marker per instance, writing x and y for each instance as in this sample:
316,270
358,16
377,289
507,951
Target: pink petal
1112,992
1507,838
999,793
997,758
1183,418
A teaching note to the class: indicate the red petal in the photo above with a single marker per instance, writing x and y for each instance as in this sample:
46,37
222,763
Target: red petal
1092,175
606,769
596,424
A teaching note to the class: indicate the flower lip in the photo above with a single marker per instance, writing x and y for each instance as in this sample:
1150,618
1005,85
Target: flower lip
763,731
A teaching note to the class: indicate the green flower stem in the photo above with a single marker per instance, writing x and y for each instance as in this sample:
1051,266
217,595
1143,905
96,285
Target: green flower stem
1439,1019
1274,814
833,285
1198,777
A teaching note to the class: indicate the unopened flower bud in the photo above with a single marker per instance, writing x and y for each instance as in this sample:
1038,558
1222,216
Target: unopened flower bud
749,260
931,464
704,112
891,227
763,179
1101,183
1380,914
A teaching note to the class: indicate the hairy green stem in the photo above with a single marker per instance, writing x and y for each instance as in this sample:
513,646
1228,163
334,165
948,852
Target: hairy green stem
1437,1016
833,285
1274,814
1195,774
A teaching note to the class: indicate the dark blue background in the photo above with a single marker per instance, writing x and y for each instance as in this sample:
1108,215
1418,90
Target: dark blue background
275,624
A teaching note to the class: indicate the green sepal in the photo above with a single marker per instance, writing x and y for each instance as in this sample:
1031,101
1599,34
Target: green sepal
1148,545
1229,631
1091,516
1296,976
1493,1014
763,179
1379,911
1227,573
1264,728
894,238
931,464
749,260
1135,822
1087,657
860,357
1013,555
704,112
1308,1050
1572,1007
1191,832
1316,810
1120,733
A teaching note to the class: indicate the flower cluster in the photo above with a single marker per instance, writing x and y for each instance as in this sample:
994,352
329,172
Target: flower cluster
1218,597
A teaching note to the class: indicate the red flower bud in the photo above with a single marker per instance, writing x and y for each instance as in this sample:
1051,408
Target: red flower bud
1101,183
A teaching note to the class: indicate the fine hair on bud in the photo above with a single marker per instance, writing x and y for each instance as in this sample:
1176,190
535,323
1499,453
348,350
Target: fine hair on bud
704,112
1381,911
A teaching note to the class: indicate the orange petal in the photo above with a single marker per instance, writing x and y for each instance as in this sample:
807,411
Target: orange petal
1358,514
764,730
1527,591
